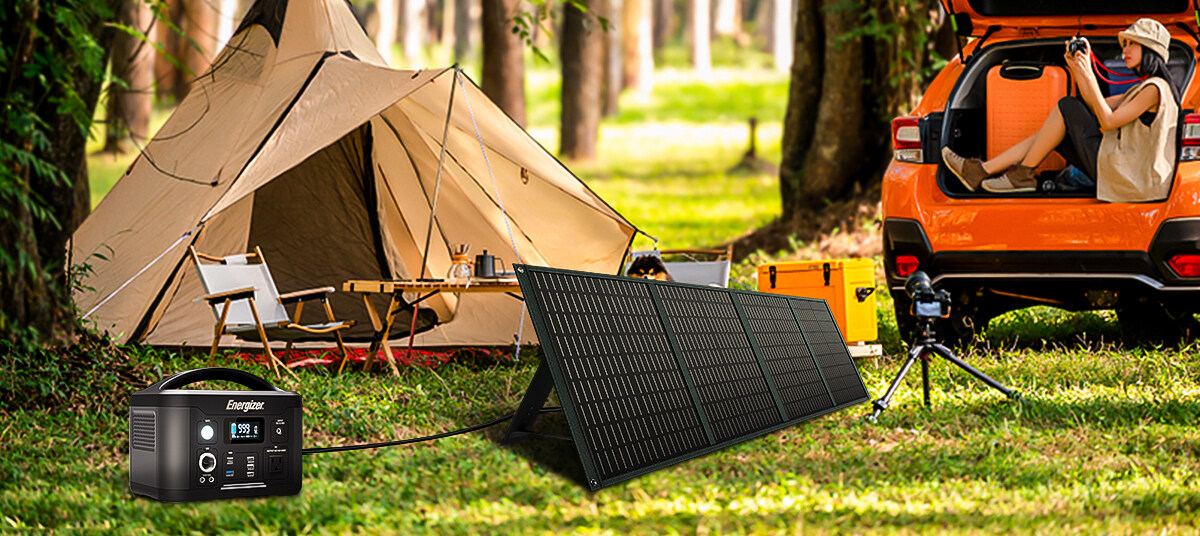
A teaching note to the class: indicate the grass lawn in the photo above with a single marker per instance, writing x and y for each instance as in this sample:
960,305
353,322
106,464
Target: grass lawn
1107,442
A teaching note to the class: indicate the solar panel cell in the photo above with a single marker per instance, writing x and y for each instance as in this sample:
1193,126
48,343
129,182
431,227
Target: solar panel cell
621,372
730,383
829,349
796,377
652,373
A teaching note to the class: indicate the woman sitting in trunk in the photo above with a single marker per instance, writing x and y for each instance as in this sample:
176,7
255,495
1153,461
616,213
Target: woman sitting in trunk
1125,142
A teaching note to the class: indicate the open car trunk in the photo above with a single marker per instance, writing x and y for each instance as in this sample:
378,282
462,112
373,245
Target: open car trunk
1006,92
981,17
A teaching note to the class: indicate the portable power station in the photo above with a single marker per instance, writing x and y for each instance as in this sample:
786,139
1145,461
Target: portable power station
192,444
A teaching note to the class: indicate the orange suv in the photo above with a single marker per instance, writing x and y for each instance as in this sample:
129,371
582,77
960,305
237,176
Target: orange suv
1058,246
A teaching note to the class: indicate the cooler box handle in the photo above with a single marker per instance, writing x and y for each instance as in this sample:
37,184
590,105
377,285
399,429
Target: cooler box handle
862,292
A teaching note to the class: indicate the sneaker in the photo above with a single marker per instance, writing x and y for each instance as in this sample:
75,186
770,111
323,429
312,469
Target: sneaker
968,170
1017,179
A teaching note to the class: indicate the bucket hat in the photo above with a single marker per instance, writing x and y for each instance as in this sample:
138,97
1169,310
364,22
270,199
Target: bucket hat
1150,34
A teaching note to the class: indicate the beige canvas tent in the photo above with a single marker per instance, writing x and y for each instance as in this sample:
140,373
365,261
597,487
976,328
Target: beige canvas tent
301,140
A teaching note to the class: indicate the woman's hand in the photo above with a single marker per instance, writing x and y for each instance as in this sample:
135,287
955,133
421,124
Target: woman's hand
1080,63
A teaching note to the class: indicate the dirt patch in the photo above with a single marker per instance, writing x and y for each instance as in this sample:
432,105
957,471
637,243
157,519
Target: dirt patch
846,228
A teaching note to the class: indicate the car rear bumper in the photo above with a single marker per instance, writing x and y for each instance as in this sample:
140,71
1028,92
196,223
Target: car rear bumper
1061,278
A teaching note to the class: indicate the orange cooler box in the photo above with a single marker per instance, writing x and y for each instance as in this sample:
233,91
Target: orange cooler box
848,285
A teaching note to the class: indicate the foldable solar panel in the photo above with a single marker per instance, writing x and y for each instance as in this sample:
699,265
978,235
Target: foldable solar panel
652,373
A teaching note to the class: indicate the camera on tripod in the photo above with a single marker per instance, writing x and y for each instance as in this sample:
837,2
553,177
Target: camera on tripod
926,302
1077,44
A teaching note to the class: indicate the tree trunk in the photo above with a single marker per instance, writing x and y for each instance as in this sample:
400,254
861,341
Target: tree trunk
698,36
449,17
41,210
466,19
414,32
166,74
663,23
129,107
581,54
843,93
727,18
637,47
781,32
612,60
387,11
230,13
809,103
503,78
199,22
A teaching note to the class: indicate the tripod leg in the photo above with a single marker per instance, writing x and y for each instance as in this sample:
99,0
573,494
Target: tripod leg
882,403
946,353
925,379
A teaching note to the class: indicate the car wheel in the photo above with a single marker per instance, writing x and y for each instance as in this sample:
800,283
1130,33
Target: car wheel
1149,321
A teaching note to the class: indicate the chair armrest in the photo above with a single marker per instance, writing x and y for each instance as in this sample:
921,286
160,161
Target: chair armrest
723,254
232,295
304,295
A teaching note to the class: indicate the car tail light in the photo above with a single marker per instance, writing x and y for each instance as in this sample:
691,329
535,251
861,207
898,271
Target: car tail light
1186,265
1191,138
906,265
906,139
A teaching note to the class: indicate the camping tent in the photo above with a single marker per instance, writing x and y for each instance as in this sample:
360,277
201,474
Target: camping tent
300,139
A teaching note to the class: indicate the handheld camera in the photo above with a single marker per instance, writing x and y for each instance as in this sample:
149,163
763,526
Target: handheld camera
926,302
1077,44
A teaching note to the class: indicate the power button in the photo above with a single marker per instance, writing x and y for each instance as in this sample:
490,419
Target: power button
207,432
279,431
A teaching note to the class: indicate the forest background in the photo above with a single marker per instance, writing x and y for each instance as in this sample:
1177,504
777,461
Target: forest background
80,69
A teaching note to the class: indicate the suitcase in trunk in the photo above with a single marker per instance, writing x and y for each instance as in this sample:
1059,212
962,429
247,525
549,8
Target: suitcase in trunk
1019,97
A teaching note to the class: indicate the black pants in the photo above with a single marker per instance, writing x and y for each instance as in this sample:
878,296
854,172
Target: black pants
1081,143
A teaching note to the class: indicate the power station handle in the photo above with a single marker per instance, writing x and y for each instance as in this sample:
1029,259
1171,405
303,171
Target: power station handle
189,377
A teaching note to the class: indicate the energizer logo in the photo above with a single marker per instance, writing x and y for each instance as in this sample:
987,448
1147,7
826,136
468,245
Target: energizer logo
243,407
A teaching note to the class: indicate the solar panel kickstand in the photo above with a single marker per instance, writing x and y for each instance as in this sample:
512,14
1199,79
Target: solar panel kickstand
531,406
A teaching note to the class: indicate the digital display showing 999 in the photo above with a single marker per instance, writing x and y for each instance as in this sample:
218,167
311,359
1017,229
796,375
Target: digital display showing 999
244,430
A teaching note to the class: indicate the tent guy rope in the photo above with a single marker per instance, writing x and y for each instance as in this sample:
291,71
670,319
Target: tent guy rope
499,200
143,270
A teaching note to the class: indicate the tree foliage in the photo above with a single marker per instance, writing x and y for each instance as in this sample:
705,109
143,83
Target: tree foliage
53,55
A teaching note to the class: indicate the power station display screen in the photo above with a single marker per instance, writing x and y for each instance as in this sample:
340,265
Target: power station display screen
651,373
244,430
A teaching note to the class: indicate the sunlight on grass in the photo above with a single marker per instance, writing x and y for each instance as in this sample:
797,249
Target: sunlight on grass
1106,442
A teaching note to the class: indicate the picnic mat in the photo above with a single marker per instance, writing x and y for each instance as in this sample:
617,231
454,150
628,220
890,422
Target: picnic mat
358,356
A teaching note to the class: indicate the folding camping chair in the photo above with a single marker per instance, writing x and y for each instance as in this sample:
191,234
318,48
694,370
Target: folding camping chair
245,301
714,273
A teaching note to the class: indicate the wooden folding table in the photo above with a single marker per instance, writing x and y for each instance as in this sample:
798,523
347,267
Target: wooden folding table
425,290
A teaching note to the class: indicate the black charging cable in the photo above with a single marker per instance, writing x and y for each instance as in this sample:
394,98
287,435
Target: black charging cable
460,431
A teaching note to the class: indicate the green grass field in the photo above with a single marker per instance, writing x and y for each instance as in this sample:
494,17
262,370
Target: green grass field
1107,442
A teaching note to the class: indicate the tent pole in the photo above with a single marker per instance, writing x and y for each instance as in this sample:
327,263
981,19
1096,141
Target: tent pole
437,186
